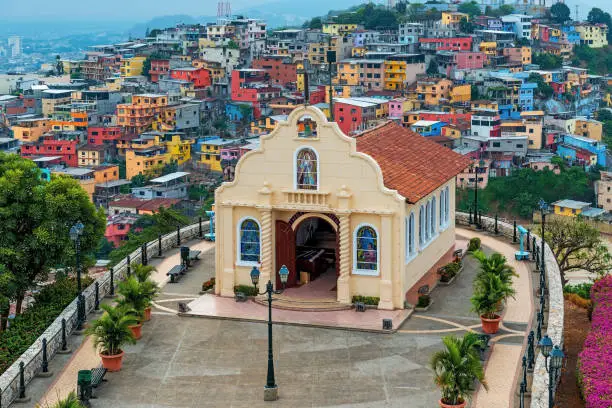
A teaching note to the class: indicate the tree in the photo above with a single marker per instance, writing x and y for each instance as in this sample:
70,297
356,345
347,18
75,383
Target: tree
577,246
168,168
155,32
470,7
6,294
139,180
35,219
598,16
457,367
548,61
474,93
416,11
59,66
466,26
560,13
104,248
544,89
316,23
432,68
146,68
401,6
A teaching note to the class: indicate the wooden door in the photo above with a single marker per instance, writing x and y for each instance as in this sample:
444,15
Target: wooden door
285,253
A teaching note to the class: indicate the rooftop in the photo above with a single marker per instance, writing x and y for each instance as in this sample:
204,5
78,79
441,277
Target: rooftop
573,204
169,177
410,163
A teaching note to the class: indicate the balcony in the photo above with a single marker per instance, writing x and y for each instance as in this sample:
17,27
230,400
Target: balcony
306,197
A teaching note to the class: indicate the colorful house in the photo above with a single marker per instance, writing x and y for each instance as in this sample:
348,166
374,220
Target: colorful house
145,161
138,116
133,66
569,208
428,127
200,77
210,152
30,130
118,226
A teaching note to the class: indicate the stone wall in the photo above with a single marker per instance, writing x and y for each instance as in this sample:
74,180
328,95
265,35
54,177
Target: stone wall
539,388
32,358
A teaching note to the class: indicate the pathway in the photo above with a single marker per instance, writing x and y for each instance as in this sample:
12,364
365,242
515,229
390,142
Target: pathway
85,356
505,359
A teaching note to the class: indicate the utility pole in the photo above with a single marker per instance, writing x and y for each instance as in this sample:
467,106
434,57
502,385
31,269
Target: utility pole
331,58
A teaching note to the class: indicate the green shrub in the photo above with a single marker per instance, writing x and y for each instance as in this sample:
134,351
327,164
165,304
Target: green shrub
28,326
424,301
367,300
449,271
208,284
246,289
582,289
474,245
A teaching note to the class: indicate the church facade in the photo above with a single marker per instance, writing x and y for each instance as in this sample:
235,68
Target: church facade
372,215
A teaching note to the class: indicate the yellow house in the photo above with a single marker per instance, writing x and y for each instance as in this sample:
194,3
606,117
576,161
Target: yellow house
178,149
383,234
266,125
395,75
145,161
337,29
593,35
570,208
210,153
30,130
431,90
461,93
348,72
132,66
453,18
484,104
488,47
358,52
591,128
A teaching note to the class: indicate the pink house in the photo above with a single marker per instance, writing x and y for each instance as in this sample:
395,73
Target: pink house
118,227
396,108
470,60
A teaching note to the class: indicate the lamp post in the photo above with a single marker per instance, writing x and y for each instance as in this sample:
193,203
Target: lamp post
553,366
479,165
75,235
271,389
543,208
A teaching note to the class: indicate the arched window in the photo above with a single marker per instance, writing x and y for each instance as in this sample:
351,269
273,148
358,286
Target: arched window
442,209
447,206
306,169
366,250
433,217
250,242
422,226
410,249
428,221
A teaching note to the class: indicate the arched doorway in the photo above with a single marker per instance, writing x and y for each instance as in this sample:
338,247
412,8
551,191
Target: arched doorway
308,246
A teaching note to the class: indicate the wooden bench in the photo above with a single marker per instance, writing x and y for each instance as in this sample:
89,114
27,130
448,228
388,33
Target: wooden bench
176,273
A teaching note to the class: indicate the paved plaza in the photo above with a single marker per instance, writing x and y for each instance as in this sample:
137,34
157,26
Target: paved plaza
203,362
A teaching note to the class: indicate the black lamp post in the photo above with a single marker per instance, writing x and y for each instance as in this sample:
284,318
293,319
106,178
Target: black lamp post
479,165
75,235
553,366
271,389
543,208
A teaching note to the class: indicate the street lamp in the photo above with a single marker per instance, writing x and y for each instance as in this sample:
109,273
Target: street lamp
271,389
478,166
543,208
556,362
75,235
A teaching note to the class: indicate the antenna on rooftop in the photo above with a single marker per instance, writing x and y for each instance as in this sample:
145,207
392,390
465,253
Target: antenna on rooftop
228,9
576,16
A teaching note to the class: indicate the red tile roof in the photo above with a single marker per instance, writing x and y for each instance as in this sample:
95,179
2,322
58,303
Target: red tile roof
410,163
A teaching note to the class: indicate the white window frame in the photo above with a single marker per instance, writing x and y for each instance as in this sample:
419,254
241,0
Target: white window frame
295,175
239,261
434,225
442,210
410,241
366,272
447,208
421,226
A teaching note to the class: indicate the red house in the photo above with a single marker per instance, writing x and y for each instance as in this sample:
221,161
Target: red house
251,85
100,135
159,67
199,76
118,227
281,70
353,114
48,146
452,118
446,44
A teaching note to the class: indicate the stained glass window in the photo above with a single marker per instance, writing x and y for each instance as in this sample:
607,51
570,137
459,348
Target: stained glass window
367,249
249,241
307,170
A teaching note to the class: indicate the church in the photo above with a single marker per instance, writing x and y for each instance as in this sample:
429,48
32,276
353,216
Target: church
373,214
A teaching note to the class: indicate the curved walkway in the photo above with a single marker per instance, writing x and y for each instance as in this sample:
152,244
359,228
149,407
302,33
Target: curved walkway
85,356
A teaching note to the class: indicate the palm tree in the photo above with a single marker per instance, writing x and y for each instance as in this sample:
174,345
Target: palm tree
496,264
489,291
149,287
457,367
134,296
111,331
71,401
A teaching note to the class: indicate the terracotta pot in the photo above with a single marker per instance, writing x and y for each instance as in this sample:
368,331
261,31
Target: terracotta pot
147,314
136,330
112,363
490,326
443,405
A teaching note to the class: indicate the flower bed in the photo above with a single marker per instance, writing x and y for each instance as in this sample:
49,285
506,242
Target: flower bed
595,365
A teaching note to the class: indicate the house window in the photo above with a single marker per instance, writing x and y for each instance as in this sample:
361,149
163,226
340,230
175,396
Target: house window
410,249
446,205
422,226
306,169
442,209
432,225
250,244
366,250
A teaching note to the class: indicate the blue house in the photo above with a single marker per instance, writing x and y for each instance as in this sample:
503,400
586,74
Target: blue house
526,95
233,112
581,150
428,127
573,37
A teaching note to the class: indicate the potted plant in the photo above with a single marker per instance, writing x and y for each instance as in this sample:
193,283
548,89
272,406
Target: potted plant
134,296
474,244
457,368
150,288
208,285
110,332
71,401
489,292
496,264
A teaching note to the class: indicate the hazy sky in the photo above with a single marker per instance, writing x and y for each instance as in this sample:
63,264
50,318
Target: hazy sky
142,10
